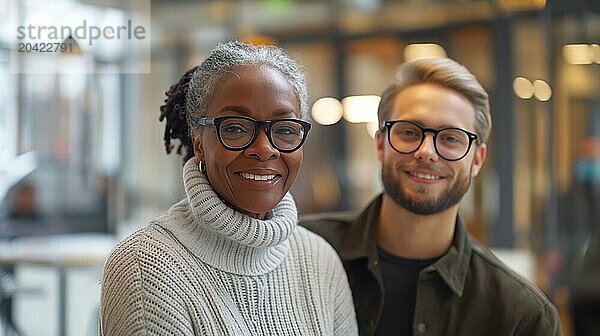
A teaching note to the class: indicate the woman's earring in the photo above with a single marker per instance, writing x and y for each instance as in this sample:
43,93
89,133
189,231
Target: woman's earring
203,168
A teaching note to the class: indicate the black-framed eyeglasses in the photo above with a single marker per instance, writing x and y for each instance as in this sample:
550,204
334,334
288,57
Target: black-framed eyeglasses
239,132
451,144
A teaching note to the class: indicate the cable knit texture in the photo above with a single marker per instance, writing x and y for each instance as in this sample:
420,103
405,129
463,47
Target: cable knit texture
203,268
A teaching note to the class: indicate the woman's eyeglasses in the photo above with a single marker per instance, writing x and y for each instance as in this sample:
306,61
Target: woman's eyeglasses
238,133
450,143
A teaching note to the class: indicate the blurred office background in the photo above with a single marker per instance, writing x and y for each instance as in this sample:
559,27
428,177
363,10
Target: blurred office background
82,162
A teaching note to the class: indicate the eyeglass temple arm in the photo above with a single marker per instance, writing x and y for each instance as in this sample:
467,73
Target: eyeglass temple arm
206,122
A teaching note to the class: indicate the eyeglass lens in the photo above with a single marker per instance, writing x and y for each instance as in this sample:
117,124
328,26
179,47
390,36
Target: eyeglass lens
450,143
239,132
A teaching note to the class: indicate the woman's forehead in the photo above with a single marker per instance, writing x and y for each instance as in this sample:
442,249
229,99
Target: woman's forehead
254,90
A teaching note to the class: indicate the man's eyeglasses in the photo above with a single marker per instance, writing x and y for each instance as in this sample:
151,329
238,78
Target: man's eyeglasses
238,133
450,143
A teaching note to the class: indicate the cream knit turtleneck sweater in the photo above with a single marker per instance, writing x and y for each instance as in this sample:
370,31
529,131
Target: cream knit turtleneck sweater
203,268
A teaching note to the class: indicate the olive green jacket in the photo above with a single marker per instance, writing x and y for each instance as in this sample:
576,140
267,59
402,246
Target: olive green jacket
468,291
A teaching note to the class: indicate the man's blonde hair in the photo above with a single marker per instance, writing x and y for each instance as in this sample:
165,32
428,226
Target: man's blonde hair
446,73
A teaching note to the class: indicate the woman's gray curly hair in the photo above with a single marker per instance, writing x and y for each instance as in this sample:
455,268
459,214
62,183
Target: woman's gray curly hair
229,55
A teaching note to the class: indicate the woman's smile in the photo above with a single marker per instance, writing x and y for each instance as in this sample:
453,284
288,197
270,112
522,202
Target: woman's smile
260,180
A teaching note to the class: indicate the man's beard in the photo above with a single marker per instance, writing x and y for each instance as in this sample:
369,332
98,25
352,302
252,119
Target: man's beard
426,205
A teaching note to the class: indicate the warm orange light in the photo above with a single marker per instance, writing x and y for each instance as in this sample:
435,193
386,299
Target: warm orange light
258,39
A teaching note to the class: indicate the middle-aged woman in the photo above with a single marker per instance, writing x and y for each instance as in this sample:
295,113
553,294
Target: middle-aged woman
229,259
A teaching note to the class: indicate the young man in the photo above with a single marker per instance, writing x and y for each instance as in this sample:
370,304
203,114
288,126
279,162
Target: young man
412,266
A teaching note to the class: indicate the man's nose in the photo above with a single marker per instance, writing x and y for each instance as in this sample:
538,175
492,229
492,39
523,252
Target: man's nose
427,149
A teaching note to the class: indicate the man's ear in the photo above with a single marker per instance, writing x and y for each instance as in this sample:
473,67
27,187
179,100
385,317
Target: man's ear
197,143
479,159
379,138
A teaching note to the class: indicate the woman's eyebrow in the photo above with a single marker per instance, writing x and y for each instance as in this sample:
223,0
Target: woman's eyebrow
284,112
236,109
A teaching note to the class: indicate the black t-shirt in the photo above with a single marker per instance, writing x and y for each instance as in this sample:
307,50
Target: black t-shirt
400,277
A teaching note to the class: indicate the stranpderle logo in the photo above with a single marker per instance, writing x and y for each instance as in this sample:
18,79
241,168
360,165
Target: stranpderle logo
84,31
96,39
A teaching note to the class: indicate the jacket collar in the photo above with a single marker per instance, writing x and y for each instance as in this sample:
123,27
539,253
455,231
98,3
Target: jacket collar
361,242
453,266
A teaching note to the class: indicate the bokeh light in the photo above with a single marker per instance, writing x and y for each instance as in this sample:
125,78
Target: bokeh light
542,90
327,111
361,108
523,87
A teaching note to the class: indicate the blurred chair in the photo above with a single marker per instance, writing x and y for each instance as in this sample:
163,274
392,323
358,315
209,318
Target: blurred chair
22,207
23,202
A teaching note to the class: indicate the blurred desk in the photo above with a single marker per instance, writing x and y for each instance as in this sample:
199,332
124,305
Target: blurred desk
60,252
13,228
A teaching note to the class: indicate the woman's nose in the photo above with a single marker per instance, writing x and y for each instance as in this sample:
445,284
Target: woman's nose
261,148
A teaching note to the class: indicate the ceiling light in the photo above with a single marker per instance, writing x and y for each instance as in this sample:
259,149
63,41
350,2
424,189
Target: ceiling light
423,50
327,111
523,88
578,53
542,90
361,108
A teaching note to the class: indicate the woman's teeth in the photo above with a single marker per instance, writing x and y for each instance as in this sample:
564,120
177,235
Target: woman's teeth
257,177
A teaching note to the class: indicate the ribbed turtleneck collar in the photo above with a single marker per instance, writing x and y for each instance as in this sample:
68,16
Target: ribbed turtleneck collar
223,237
